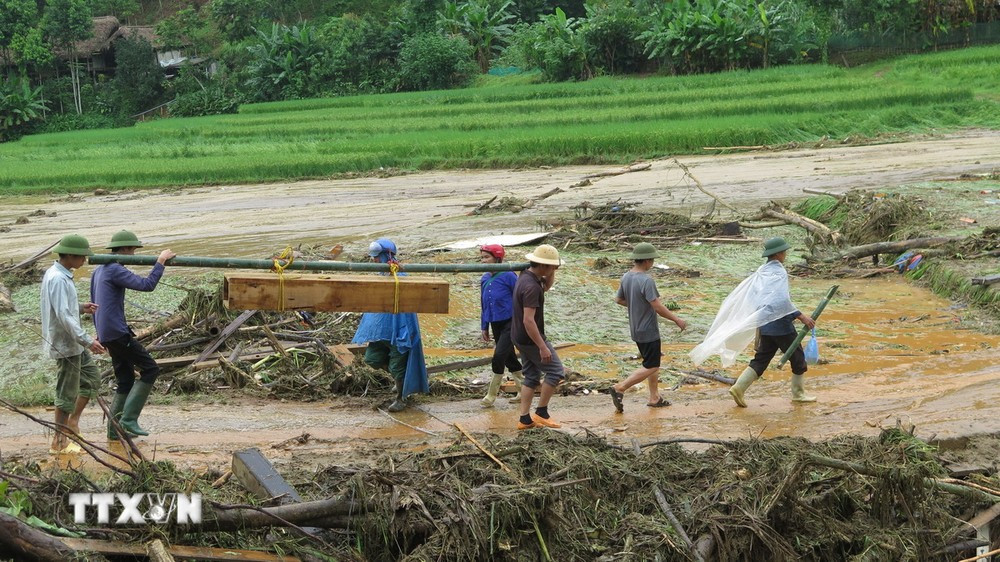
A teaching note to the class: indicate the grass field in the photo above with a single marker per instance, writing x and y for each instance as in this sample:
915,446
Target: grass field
606,120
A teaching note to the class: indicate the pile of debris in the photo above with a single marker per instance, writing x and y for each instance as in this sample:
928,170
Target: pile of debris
547,495
616,224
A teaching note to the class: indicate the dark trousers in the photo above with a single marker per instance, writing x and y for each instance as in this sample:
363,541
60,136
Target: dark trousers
767,346
504,354
127,356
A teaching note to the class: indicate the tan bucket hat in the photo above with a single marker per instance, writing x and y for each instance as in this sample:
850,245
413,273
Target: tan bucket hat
545,254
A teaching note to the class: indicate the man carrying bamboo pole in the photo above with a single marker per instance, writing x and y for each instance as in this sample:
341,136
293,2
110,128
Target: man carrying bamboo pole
761,305
107,288
393,339
65,340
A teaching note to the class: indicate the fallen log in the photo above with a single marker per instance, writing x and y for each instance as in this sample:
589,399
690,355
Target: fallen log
328,513
710,376
136,550
817,228
628,169
892,247
41,253
987,280
687,172
24,542
174,321
822,192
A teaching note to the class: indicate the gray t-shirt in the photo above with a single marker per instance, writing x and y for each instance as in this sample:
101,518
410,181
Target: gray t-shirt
639,290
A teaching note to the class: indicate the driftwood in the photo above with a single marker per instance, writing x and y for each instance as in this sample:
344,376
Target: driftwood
626,170
531,202
822,192
328,513
21,541
228,331
174,321
41,254
661,500
987,280
133,551
687,172
892,247
791,217
710,376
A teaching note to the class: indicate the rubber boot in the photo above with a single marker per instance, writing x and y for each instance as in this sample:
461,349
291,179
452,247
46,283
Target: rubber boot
117,405
798,391
134,404
518,378
398,405
491,392
741,386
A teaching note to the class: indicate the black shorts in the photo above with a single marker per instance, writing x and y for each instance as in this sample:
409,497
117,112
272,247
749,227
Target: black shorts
650,352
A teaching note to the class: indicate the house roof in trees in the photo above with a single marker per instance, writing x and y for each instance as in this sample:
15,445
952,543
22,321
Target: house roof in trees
135,31
104,28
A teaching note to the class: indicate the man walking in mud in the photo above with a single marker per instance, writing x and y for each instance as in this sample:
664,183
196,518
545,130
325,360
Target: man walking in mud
64,340
639,295
540,363
107,288
761,305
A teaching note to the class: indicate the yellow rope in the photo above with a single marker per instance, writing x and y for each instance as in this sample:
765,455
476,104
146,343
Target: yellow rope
288,256
394,269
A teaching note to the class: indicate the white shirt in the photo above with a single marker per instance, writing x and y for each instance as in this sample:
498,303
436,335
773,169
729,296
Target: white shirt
63,336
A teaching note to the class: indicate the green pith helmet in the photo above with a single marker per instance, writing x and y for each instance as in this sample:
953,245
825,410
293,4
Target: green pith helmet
773,246
73,245
644,251
124,239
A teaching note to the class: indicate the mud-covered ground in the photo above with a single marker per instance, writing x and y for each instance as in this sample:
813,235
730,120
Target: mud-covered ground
892,350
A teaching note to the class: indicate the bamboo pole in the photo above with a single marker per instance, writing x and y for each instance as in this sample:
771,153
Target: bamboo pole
805,329
242,263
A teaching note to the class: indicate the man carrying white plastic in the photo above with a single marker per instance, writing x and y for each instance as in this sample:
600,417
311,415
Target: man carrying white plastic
761,305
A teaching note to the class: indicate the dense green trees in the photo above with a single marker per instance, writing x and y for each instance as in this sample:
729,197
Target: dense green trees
306,48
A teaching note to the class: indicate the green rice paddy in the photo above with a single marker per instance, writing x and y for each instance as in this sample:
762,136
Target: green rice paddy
607,120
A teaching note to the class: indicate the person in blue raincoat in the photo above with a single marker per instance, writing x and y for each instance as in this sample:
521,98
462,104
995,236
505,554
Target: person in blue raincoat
394,339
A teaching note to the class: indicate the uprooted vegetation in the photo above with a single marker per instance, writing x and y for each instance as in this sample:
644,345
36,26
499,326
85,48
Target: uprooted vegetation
547,495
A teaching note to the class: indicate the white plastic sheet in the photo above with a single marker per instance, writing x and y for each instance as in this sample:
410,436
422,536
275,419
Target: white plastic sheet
761,298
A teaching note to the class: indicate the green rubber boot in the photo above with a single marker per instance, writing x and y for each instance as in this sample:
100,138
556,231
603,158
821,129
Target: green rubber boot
491,392
398,405
741,386
133,407
798,391
117,405
516,375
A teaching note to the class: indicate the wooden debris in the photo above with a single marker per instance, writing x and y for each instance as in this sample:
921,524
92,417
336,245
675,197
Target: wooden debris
338,293
823,192
986,280
174,321
892,247
28,543
29,261
687,173
815,227
255,473
157,551
626,170
228,331
114,548
661,501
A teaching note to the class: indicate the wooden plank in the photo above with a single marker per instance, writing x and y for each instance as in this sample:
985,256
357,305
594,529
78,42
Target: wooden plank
986,280
340,350
183,552
335,293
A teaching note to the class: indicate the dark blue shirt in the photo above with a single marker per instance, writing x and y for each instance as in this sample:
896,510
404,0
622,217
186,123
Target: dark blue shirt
497,297
781,326
107,290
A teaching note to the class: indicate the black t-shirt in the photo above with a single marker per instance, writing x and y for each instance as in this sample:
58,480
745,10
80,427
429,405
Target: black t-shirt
528,291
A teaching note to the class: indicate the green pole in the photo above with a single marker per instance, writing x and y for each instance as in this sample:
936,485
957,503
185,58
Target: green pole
805,329
241,263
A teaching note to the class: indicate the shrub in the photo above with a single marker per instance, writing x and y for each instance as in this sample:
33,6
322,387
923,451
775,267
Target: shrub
611,33
21,107
62,122
429,61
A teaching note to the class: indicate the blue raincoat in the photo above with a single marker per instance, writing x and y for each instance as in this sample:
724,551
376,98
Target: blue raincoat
401,330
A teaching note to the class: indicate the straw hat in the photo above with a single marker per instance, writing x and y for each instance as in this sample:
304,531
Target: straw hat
546,255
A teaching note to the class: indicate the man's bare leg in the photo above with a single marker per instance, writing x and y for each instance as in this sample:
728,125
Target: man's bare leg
547,391
653,382
635,378
74,418
527,394
59,440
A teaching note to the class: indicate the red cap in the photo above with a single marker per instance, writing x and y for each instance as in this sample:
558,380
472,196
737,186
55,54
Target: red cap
496,250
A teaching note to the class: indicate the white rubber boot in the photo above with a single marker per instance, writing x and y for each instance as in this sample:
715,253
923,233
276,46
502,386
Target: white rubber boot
517,391
798,391
491,392
741,386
